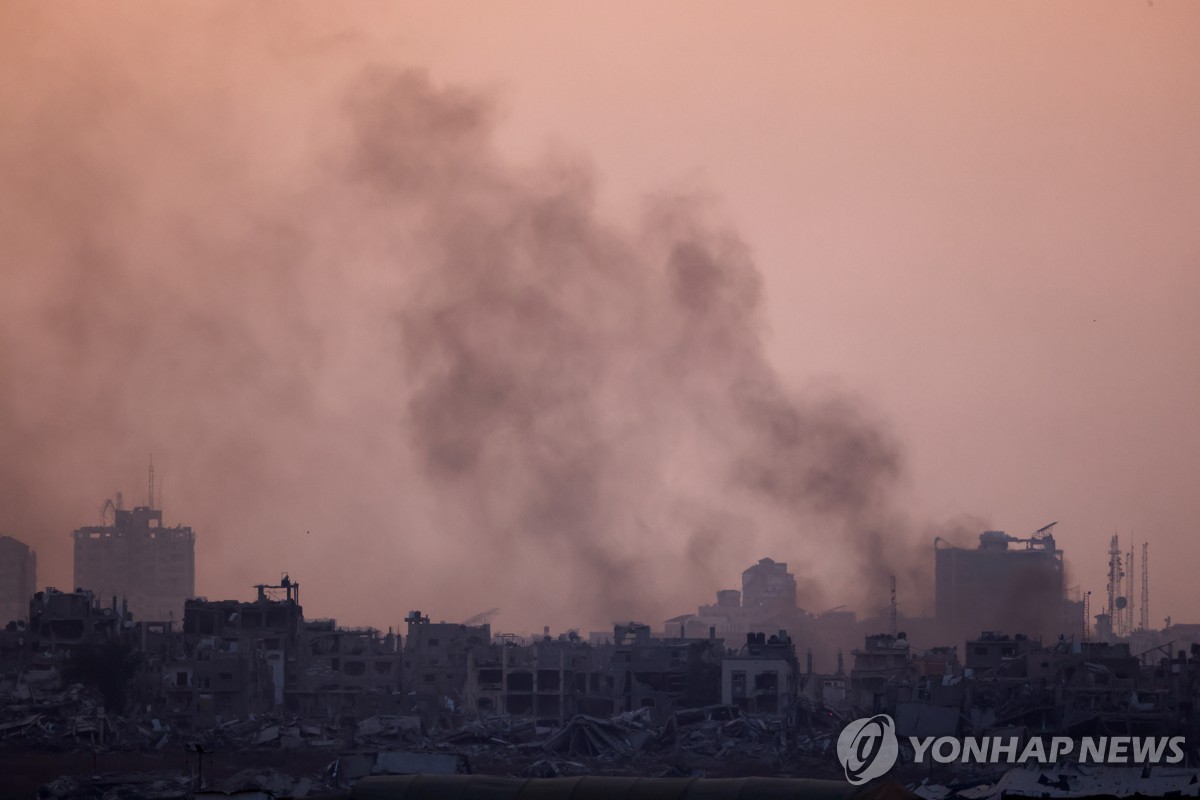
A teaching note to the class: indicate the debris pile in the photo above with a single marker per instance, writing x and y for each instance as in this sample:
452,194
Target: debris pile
32,717
492,731
137,786
591,737
271,781
722,731
388,730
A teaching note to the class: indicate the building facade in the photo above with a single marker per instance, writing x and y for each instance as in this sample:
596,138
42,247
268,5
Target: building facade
18,579
1006,584
763,677
151,567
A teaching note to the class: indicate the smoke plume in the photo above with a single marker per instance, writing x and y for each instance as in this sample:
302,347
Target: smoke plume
365,348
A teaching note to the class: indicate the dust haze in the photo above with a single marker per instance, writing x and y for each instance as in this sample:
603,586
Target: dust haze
364,348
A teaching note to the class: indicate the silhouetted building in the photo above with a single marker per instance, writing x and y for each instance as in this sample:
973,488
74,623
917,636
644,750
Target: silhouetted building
548,680
62,622
881,671
153,568
769,589
666,674
344,673
995,654
762,678
233,656
1001,588
436,658
18,579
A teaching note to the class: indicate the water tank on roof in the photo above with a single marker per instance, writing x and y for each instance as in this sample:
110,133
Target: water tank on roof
993,540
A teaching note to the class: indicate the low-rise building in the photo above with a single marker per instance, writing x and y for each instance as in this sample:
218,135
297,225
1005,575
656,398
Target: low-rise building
436,661
762,677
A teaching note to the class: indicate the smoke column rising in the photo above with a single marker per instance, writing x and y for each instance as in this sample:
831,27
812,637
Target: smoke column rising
366,349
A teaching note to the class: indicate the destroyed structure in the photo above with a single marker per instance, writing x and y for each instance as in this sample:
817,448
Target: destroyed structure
18,579
240,678
136,559
550,679
234,659
763,677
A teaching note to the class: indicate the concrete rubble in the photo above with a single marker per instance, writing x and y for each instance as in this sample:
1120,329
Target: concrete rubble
627,743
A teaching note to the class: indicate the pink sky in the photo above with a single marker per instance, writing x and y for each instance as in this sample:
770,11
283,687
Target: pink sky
984,218
981,220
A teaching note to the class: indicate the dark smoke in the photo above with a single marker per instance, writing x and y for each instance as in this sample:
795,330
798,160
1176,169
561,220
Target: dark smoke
304,280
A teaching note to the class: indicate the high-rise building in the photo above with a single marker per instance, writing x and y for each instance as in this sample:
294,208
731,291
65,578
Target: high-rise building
138,561
769,588
1002,588
18,579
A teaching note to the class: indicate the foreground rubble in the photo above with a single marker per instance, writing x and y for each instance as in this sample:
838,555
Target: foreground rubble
312,757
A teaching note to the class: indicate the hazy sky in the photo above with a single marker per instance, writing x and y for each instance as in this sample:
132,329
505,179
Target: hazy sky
980,221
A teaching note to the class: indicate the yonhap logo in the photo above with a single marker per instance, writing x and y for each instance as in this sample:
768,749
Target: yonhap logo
868,748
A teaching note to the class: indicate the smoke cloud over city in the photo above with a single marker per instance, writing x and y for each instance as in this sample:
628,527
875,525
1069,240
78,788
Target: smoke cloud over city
365,348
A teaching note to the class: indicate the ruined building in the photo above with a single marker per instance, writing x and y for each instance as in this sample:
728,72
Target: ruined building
62,622
344,673
882,671
763,676
236,658
232,658
135,558
1006,584
548,680
551,680
18,579
436,660
664,674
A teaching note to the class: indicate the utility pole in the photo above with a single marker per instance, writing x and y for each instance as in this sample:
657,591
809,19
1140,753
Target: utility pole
1145,608
893,609
1129,587
1115,574
1087,616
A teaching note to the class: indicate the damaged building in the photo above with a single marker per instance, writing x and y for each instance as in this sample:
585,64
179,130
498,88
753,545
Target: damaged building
238,658
61,622
762,678
137,559
437,656
664,674
344,673
549,680
232,658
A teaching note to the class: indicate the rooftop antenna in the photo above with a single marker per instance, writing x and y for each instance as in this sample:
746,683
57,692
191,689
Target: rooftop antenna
150,501
1087,616
892,612
1145,586
1129,587
1115,573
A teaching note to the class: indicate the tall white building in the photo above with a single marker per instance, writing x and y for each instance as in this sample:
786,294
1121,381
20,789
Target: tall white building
137,560
18,579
